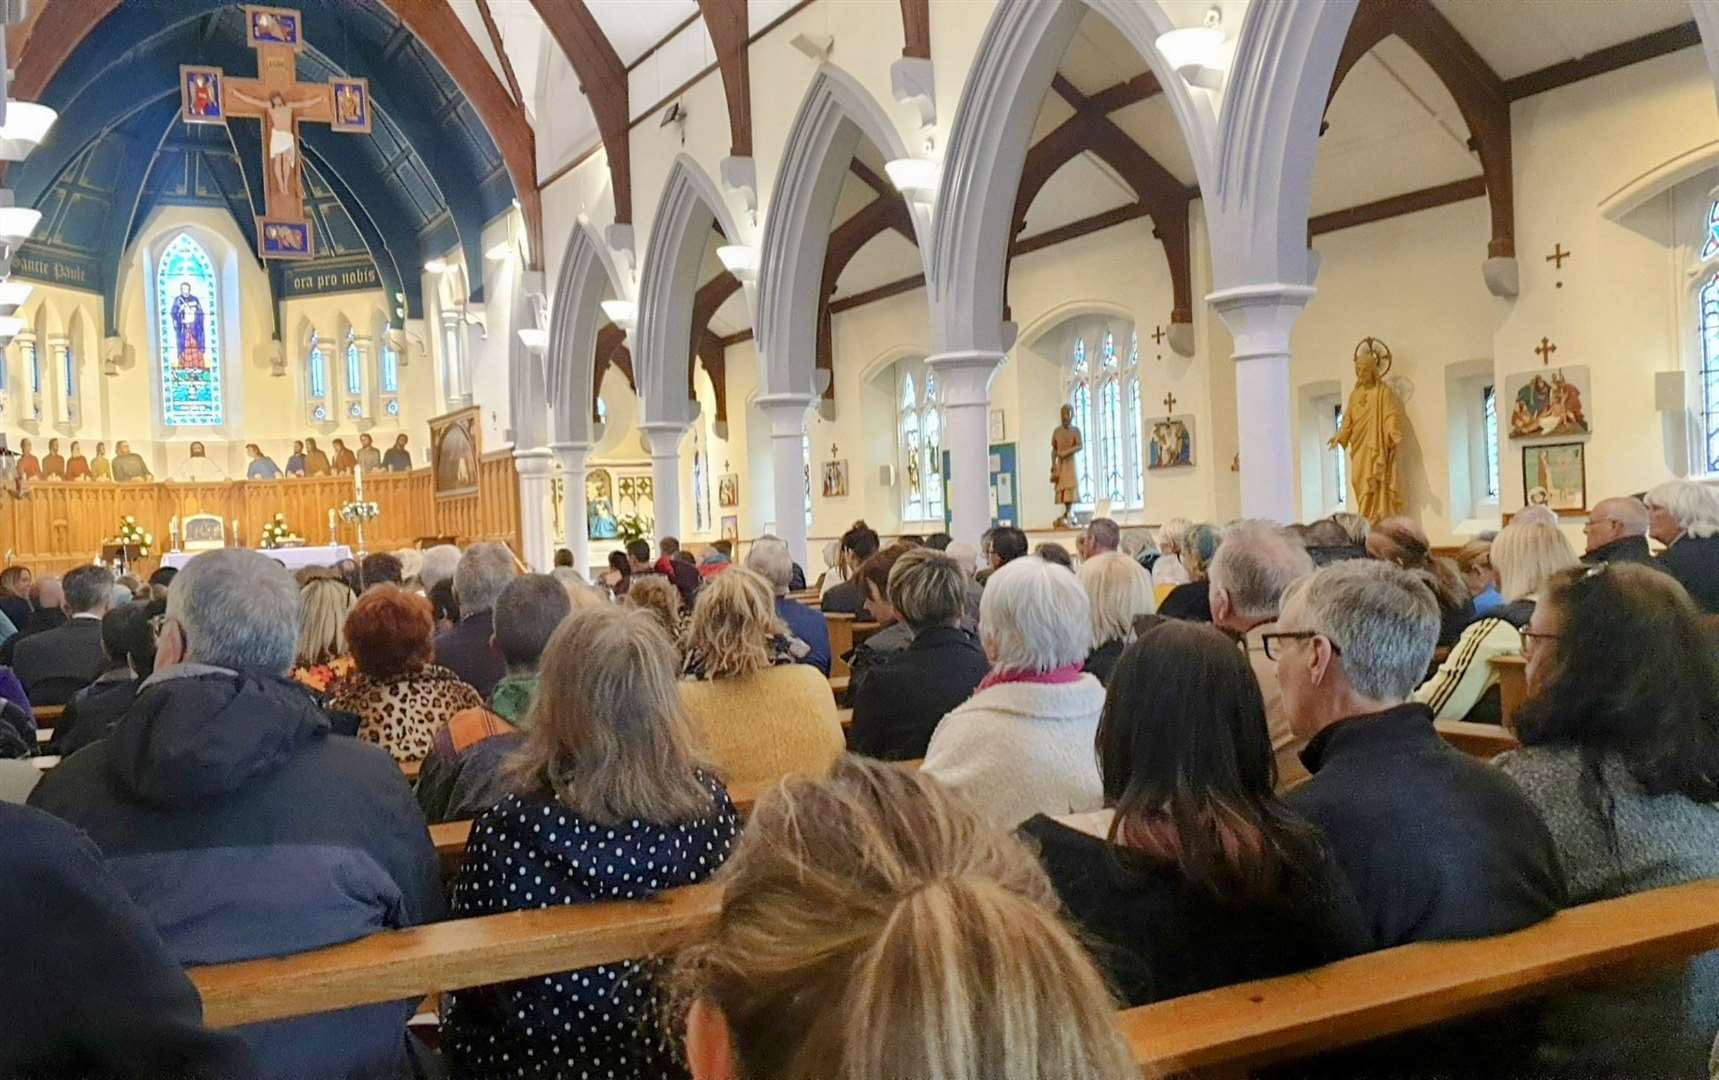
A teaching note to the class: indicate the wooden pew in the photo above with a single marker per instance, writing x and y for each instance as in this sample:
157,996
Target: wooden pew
841,627
1512,671
411,769
1484,741
1229,1029
46,715
839,683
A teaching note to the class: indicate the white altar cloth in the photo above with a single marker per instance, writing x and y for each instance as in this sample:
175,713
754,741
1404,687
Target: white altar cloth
293,557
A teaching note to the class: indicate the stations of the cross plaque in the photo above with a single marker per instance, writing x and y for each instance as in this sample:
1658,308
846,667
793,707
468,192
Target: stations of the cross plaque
208,95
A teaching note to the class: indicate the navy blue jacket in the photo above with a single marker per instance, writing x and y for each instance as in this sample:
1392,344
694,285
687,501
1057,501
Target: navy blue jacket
901,701
88,989
243,829
1694,562
465,651
809,626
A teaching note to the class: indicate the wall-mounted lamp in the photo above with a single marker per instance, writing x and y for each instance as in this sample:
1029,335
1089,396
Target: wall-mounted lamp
534,340
16,222
1196,52
740,260
915,178
10,327
623,313
437,265
26,126
13,294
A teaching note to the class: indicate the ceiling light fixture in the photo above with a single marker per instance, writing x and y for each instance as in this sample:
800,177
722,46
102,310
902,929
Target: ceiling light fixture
623,313
437,265
10,327
26,125
740,260
913,177
17,223
13,294
534,339
500,250
1196,52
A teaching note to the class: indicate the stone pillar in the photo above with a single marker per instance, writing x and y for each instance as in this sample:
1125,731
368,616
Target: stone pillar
786,414
535,467
572,458
453,344
964,381
664,439
66,400
1260,318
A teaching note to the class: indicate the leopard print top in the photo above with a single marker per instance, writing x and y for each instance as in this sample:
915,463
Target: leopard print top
401,713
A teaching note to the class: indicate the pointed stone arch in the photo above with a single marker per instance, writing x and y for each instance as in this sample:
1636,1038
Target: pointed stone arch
588,274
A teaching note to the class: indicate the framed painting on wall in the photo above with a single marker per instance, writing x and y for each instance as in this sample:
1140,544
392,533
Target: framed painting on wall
1170,441
1555,476
1548,402
731,528
455,446
835,479
728,490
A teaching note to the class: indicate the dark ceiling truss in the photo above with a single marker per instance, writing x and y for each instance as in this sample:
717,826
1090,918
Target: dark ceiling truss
603,79
406,212
1481,96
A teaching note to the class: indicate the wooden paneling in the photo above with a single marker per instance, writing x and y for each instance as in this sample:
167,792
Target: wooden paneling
62,525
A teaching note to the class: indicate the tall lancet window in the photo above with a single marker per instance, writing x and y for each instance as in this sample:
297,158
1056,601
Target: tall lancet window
187,318
1080,400
919,442
316,379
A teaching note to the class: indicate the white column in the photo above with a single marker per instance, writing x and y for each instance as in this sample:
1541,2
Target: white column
65,400
453,342
664,440
964,381
1260,318
786,414
572,458
535,467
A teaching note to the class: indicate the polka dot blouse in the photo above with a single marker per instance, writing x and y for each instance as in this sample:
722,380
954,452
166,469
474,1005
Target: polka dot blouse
598,1023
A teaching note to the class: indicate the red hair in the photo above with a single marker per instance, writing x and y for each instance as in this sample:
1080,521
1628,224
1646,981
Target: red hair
389,632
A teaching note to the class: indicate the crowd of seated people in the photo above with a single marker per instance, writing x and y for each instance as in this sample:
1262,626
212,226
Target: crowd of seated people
1149,798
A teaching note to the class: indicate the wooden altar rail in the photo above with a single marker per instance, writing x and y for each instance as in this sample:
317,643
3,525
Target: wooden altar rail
62,525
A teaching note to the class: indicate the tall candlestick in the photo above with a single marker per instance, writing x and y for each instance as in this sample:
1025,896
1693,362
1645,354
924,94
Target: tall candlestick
358,481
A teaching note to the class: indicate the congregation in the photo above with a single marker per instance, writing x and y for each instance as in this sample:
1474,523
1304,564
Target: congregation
1123,776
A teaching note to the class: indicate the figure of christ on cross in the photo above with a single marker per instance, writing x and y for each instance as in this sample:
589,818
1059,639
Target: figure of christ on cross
281,136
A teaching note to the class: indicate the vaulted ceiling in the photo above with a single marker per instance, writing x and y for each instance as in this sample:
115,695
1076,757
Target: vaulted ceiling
119,149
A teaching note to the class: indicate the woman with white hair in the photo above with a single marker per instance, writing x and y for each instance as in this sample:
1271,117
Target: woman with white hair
1526,558
1120,590
1168,569
1022,744
1684,516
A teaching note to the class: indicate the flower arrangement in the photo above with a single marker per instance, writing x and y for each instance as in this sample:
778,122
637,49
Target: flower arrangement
360,511
276,532
630,527
131,534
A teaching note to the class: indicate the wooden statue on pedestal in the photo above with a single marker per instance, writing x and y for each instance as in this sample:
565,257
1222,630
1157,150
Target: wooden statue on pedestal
1065,444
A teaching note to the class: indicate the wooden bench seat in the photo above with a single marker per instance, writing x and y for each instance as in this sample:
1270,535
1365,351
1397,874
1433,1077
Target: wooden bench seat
1235,1027
1512,672
1484,741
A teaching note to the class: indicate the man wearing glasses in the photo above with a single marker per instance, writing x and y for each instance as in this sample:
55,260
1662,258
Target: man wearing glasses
1616,531
1437,844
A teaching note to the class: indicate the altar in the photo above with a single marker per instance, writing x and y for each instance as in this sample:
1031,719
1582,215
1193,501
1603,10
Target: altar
295,558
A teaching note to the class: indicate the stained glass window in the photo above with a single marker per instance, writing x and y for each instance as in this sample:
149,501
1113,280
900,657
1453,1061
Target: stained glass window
1342,458
913,482
931,414
1489,411
354,370
188,318
33,369
1711,247
390,371
1104,393
1709,299
1136,445
806,457
1082,402
316,371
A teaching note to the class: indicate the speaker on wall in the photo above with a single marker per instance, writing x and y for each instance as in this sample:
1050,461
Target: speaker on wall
1669,388
886,476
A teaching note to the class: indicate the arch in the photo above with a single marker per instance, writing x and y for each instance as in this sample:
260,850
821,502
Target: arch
1476,88
888,358
1707,22
834,114
690,204
1073,309
1017,57
588,271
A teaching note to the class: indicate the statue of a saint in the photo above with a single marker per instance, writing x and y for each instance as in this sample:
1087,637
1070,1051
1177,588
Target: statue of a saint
1372,430
1065,443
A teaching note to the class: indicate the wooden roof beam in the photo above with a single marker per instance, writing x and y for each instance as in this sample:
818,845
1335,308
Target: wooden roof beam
726,21
603,78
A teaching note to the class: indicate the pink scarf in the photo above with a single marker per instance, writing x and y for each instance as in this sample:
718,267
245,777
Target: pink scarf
1054,677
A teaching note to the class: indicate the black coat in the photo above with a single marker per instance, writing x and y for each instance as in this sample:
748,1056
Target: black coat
1191,602
1632,549
243,829
57,663
88,989
845,599
1101,661
1694,561
40,621
91,713
900,702
1437,845
465,651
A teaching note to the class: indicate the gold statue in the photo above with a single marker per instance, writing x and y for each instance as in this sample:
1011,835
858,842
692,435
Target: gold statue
1372,430
1065,444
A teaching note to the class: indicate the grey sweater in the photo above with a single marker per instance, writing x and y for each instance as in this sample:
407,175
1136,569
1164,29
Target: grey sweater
1659,1025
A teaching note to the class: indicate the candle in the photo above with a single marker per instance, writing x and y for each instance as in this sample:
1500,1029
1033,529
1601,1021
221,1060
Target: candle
331,519
358,481
236,542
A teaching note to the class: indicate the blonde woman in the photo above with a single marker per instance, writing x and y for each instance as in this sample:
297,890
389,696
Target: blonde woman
758,714
609,801
1120,590
322,658
1526,558
658,595
1169,569
866,926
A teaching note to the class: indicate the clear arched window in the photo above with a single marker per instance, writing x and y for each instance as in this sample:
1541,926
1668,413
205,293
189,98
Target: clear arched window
187,308
316,376
1080,399
354,370
1104,392
1709,306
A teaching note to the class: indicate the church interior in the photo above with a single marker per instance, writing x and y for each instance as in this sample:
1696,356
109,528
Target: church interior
391,275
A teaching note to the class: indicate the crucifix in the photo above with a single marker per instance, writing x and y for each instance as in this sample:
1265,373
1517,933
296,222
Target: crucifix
209,95
1558,256
1158,335
1544,351
1169,403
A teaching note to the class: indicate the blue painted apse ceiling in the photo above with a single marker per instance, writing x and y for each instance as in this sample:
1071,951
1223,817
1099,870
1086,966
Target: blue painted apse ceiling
120,151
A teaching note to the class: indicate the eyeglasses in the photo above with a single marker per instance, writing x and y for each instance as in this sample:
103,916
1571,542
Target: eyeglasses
1531,639
1272,649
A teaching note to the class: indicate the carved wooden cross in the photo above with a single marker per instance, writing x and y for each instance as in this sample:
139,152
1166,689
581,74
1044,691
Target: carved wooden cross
282,103
1558,255
1158,335
1544,351
1169,403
